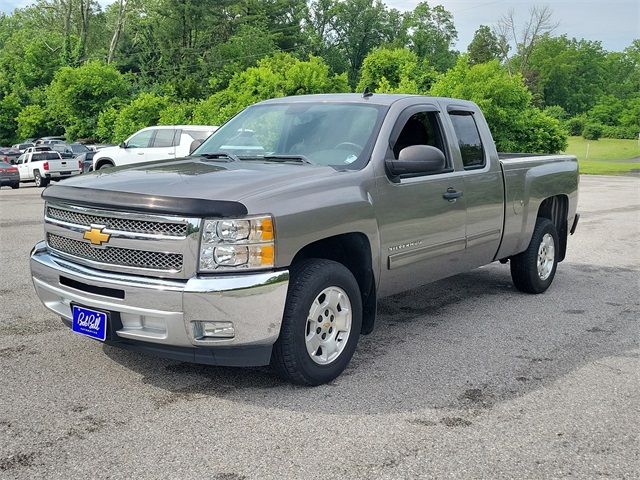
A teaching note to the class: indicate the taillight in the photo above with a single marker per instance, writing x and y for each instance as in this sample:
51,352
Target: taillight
12,170
80,164
46,165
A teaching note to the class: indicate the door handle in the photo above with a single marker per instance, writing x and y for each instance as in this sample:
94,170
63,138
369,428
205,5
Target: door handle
140,153
451,194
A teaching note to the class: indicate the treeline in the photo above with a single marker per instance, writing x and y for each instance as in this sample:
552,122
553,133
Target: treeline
69,67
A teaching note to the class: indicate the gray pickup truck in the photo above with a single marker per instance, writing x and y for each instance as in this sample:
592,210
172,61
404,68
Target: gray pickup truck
272,242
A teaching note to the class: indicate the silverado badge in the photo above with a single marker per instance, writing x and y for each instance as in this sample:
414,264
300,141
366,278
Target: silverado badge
96,236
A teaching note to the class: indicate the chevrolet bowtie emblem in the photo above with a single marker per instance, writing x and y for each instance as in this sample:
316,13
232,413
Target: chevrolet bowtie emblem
96,236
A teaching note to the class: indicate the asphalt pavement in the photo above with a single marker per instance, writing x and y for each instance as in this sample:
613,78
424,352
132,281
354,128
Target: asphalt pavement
464,378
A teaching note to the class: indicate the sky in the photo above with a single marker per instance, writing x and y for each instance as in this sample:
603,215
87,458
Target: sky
614,22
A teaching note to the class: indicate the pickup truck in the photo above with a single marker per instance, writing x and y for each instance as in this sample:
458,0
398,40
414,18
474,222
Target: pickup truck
41,165
273,241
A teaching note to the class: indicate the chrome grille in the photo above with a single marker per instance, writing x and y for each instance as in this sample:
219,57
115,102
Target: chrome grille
117,256
120,224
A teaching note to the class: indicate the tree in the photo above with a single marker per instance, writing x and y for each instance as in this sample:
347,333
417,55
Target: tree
506,102
395,70
9,110
484,47
276,76
568,72
76,96
143,111
358,27
433,35
539,23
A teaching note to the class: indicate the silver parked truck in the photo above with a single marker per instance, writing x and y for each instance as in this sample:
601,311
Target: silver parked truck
272,242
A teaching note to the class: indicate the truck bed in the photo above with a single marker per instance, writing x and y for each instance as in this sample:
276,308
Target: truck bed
529,179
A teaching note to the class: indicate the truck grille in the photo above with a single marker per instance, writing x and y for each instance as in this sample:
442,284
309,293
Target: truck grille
120,224
117,256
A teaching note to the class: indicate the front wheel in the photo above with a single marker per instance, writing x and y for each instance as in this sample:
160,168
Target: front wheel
532,271
321,323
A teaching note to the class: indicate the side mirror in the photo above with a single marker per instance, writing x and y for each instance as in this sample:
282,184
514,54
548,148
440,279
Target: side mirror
195,144
123,145
416,159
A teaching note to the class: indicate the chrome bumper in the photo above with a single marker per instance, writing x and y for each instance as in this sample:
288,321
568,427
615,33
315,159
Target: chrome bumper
162,311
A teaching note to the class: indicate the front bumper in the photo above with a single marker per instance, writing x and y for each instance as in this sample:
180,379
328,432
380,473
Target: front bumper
157,315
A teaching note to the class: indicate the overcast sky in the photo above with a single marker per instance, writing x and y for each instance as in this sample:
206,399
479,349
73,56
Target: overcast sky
615,22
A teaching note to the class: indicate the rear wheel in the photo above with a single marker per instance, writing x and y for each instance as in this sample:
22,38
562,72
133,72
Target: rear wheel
15,185
321,323
105,165
533,270
40,180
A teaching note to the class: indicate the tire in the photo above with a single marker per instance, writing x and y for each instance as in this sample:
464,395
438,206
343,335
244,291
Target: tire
105,165
40,180
311,279
532,271
15,185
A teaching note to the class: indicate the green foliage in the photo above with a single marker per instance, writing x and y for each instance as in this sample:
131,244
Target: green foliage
433,35
9,110
592,131
276,76
142,111
177,114
575,125
76,96
556,111
395,70
32,122
506,103
484,47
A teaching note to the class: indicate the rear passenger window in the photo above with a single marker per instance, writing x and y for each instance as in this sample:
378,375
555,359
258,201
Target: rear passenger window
468,139
164,138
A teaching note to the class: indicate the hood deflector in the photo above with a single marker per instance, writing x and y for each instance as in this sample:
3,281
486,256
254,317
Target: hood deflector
136,202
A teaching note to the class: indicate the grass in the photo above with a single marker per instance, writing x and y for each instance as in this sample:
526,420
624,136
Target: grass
607,156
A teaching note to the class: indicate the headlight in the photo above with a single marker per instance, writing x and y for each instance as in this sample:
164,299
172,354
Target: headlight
246,243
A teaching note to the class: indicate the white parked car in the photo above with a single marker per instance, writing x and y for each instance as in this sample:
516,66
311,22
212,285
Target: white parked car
42,165
154,143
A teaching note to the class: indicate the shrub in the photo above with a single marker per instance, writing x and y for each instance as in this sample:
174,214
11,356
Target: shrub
575,125
592,131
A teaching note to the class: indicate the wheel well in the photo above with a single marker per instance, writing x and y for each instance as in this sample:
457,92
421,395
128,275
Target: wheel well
556,209
354,252
102,162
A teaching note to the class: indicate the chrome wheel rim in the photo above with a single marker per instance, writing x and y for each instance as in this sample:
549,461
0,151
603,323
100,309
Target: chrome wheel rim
328,325
546,256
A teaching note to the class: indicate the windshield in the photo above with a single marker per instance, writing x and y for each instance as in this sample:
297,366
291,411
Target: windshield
336,134
78,148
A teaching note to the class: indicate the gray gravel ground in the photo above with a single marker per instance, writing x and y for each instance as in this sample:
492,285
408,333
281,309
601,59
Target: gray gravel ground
465,378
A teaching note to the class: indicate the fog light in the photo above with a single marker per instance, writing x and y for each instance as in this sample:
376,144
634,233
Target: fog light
204,330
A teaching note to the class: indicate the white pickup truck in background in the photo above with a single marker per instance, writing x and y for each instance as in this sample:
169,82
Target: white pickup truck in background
41,165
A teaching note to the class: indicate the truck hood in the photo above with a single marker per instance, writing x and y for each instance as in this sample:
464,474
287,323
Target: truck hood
190,186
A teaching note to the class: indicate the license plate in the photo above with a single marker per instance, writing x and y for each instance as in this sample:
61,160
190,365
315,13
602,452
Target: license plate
89,322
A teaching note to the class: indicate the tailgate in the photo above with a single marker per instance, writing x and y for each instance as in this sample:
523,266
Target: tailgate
63,165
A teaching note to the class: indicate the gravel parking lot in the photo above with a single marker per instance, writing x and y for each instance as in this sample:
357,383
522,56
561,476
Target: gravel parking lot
465,378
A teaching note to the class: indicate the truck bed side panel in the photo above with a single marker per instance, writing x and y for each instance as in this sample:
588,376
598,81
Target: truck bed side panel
529,180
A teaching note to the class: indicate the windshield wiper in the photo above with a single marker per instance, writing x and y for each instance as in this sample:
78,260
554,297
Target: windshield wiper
288,158
221,156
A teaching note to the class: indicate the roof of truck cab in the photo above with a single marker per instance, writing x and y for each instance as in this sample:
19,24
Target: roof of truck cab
375,98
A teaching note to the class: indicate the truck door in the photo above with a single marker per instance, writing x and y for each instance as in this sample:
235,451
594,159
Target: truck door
422,232
137,148
483,186
23,167
162,145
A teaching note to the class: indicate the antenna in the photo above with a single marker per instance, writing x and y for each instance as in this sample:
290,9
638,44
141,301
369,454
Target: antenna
366,93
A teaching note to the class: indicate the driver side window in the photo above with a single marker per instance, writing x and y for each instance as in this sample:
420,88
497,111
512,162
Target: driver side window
140,140
421,128
21,159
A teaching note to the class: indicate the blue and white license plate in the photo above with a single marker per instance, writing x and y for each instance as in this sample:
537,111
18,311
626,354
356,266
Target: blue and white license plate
89,322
